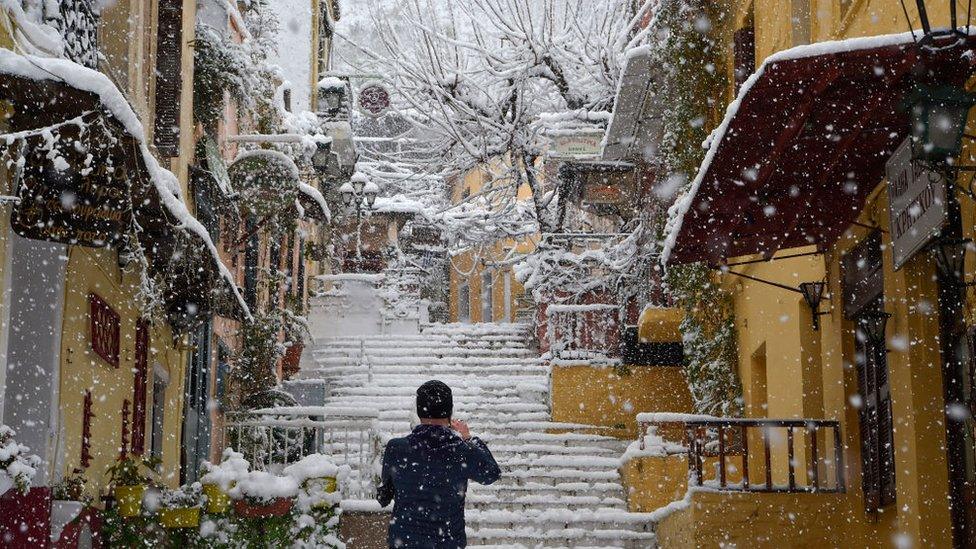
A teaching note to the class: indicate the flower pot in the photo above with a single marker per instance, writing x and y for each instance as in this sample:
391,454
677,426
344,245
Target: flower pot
217,501
323,485
274,508
180,517
129,499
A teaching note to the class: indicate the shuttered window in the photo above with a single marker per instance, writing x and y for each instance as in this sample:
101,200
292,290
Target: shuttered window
863,296
169,37
139,388
744,53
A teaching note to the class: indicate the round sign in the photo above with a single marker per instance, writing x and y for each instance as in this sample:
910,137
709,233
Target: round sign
374,99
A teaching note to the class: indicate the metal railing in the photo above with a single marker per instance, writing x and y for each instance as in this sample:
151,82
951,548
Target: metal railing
583,331
806,441
273,438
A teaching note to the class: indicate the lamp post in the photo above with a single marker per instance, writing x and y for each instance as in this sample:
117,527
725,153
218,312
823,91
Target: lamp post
359,194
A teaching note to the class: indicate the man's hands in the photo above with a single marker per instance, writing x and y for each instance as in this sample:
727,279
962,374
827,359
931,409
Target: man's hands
461,428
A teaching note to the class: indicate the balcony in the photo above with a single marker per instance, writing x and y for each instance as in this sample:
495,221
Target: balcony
587,332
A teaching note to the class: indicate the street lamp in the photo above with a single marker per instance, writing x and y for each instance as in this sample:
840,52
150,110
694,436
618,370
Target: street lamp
360,192
950,258
938,121
813,295
874,324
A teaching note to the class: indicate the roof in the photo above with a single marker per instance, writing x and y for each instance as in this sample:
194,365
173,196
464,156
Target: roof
803,145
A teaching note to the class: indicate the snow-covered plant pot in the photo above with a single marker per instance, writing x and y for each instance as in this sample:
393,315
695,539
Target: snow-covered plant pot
218,502
17,465
180,508
257,508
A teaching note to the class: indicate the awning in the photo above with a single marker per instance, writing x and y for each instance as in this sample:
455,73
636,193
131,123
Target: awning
804,144
636,127
48,91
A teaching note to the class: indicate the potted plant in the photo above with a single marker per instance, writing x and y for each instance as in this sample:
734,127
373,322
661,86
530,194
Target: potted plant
218,502
252,507
17,465
180,508
68,501
129,482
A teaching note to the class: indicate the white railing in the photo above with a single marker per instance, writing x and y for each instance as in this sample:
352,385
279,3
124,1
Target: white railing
272,438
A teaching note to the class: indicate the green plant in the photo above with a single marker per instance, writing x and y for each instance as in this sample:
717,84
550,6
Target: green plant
187,496
72,488
128,470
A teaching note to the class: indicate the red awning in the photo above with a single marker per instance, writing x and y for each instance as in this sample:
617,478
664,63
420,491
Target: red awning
804,144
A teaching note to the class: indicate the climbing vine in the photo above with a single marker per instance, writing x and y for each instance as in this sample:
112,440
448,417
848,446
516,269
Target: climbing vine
692,52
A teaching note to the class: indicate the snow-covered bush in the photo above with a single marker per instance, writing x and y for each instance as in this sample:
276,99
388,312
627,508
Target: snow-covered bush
17,465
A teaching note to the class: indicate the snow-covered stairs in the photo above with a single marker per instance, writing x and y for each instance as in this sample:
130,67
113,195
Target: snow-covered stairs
560,486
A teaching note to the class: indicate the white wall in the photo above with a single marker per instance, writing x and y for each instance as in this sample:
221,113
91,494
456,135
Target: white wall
294,54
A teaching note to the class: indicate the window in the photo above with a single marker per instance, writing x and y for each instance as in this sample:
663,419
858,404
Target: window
863,287
158,411
464,303
487,314
169,38
139,388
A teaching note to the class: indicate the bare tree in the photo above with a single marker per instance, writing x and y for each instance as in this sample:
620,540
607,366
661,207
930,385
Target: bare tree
485,81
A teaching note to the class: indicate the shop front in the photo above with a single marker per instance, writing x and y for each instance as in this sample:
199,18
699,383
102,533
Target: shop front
843,244
107,271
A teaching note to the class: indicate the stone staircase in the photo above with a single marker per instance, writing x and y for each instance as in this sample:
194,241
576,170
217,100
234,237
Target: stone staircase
560,486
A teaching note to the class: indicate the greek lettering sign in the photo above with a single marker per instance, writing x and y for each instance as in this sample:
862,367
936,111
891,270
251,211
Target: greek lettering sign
65,199
916,204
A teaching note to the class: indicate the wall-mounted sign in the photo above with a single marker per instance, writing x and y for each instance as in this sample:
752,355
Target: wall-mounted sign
578,144
62,201
374,99
916,204
104,330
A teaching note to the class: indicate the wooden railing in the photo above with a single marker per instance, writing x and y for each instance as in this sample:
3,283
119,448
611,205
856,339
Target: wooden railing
807,443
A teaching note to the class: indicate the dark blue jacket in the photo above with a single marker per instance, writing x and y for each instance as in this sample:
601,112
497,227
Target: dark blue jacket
427,474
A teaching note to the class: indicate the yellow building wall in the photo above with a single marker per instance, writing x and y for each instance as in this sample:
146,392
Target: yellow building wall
774,521
602,396
653,482
470,267
95,271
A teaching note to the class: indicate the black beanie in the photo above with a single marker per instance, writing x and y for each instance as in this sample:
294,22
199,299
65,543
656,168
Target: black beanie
434,400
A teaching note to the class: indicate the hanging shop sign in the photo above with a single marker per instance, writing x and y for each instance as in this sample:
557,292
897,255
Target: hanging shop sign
916,204
68,196
577,144
104,329
374,99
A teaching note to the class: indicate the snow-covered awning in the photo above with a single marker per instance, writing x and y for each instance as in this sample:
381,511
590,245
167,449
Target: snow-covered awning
804,144
48,91
636,123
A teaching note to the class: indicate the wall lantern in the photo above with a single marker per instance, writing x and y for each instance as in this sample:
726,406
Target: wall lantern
938,120
813,294
874,324
950,258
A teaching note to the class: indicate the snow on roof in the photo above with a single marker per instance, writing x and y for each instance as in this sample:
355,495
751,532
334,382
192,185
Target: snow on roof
679,209
165,182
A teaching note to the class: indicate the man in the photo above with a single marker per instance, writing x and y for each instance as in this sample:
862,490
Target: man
427,473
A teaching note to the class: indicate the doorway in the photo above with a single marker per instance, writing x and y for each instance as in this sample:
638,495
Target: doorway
196,413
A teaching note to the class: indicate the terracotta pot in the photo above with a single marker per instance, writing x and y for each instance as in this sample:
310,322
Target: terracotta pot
275,508
129,499
218,502
180,517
